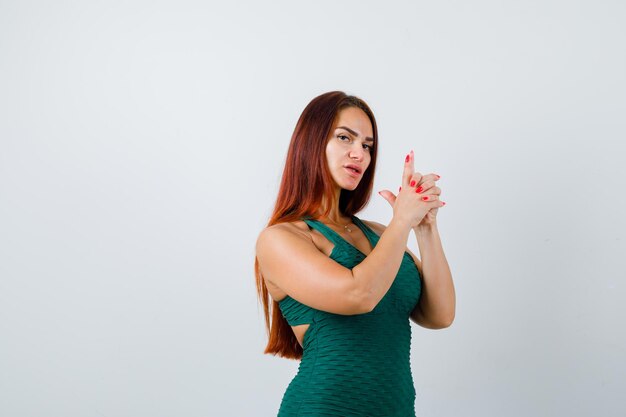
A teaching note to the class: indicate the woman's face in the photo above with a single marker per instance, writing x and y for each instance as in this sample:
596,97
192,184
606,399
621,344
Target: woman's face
350,144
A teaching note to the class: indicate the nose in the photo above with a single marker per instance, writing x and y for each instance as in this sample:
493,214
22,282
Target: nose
357,152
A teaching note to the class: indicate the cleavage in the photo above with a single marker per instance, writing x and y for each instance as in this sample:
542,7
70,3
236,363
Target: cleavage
326,246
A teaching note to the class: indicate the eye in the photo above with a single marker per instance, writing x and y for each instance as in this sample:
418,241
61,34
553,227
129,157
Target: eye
368,147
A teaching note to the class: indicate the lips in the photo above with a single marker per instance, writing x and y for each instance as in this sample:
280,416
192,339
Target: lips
352,172
350,168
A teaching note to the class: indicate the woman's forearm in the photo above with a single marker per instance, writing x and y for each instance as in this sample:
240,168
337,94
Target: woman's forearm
438,301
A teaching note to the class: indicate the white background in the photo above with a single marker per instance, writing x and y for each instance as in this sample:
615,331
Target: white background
142,145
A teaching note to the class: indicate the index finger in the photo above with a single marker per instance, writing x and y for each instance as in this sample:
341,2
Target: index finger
407,173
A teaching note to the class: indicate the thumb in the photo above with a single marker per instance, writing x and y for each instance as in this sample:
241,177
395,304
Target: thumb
389,196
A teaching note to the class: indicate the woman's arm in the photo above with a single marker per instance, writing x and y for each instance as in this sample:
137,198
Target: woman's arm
291,261
436,308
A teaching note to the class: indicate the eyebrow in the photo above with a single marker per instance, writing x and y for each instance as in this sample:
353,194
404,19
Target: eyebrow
367,139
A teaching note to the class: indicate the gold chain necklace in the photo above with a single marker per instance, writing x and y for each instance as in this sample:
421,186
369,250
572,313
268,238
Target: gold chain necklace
345,227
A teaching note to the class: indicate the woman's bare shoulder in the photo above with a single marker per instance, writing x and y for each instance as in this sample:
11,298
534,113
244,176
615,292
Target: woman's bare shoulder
294,226
298,228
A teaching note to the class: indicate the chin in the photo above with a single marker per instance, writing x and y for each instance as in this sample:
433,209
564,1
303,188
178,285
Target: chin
346,184
350,187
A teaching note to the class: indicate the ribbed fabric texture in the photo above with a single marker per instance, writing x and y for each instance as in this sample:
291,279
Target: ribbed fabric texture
355,365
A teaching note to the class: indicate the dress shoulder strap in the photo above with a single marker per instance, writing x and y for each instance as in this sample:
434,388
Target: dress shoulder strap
365,228
328,233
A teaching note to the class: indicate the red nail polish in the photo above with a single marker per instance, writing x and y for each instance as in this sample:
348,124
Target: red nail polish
443,202
438,176
400,189
425,198
419,189
406,159
413,183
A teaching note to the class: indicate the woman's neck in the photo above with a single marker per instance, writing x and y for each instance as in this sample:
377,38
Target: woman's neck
335,215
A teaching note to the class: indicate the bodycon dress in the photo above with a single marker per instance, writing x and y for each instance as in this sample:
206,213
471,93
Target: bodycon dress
355,365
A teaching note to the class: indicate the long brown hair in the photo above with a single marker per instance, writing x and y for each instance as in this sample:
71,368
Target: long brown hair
305,183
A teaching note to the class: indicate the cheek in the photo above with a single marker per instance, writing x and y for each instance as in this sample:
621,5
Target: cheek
329,155
369,159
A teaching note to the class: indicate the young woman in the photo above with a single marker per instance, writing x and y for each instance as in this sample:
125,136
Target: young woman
343,289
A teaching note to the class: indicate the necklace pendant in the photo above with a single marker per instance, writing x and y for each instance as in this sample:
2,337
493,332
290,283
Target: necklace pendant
348,229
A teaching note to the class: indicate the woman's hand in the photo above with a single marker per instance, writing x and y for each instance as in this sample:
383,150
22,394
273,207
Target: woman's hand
416,208
426,185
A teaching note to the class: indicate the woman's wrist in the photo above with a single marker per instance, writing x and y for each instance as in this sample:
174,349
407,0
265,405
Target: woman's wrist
402,223
421,229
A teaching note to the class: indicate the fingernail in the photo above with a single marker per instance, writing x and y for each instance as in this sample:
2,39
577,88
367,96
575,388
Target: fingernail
425,198
413,183
406,159
443,202
419,189
400,189
438,176
379,193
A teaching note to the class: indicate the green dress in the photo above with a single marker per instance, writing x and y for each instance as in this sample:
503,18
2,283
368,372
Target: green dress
357,365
